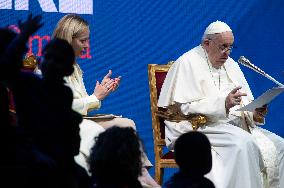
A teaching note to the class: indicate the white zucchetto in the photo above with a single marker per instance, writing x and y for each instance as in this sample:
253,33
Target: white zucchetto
217,27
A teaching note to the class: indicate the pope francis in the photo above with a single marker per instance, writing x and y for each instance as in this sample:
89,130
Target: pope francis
207,81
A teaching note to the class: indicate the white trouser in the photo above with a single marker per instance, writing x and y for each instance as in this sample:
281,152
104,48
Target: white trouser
88,131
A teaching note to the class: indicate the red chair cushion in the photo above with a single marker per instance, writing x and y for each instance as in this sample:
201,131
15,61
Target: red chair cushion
168,155
160,77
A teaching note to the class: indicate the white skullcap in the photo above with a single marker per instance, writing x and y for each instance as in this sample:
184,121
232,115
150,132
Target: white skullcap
217,27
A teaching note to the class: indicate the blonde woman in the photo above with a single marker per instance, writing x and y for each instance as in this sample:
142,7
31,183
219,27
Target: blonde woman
76,31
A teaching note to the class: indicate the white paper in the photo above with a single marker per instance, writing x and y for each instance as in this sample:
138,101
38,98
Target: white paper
101,116
263,99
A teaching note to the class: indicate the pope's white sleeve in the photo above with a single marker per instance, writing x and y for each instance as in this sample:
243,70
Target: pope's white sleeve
213,107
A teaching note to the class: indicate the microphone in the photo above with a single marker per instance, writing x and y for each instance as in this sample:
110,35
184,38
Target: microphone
244,61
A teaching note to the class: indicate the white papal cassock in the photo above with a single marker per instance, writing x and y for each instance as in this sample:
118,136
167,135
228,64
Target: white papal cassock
239,158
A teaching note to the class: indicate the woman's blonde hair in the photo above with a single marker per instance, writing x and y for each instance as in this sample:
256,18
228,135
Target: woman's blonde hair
70,26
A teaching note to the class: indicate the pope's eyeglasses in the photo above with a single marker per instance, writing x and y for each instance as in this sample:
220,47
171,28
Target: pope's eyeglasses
223,48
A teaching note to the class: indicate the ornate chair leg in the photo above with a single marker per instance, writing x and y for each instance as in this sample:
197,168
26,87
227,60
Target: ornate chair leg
158,174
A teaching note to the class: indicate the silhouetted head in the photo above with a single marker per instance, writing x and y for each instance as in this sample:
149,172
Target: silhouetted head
192,152
116,157
58,59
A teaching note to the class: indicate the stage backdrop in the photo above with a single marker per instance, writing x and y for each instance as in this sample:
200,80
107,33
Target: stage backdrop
126,35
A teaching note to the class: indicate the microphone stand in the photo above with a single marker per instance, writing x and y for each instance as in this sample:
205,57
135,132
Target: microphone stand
242,60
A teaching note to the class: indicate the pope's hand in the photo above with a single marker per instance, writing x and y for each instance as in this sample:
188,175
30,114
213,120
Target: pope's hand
234,98
260,113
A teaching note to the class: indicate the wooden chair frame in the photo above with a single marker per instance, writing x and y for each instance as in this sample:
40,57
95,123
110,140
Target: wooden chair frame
159,143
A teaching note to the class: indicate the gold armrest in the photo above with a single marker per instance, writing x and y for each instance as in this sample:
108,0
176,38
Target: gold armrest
196,120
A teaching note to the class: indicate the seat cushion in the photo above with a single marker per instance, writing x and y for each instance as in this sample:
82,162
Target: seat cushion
168,155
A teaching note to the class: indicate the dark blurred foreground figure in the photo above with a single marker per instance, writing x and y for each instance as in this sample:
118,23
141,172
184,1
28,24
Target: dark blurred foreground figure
193,155
18,154
46,135
63,122
58,63
115,160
